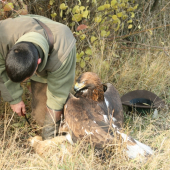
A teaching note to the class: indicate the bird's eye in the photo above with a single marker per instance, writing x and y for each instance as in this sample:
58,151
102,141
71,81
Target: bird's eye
84,82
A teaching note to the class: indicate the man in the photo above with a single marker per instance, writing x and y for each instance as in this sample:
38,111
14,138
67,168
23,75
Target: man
24,53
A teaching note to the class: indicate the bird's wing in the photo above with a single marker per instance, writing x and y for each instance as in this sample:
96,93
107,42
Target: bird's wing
114,105
85,118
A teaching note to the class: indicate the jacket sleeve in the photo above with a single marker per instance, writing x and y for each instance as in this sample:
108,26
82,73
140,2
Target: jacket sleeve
11,92
60,82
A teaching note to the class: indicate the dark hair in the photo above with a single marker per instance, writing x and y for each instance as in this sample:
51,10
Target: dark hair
21,61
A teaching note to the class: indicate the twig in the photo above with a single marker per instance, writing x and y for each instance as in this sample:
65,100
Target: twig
10,120
166,53
165,6
144,45
130,48
124,36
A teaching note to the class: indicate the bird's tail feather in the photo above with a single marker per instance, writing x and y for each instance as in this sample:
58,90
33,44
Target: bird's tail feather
134,147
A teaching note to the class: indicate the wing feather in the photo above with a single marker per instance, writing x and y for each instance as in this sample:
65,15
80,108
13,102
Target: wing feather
85,118
114,105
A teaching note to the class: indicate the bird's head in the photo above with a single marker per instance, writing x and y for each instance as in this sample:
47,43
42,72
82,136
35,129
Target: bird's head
87,80
89,85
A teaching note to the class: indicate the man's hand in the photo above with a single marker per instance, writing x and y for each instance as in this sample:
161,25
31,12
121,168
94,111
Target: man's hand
19,108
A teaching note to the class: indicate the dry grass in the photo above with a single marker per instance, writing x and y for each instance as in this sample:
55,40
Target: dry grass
128,69
149,71
15,152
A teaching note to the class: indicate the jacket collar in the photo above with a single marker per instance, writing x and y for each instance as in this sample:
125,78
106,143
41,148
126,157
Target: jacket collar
39,40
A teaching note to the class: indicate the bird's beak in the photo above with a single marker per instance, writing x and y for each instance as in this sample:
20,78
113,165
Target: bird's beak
78,86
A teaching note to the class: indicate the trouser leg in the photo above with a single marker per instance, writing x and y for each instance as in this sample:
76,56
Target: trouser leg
51,124
39,99
44,116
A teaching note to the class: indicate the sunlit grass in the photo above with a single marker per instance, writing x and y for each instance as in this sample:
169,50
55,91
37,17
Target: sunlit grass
148,72
127,69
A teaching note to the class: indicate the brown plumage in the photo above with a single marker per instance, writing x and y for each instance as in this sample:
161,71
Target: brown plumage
89,86
91,82
85,119
94,110
89,112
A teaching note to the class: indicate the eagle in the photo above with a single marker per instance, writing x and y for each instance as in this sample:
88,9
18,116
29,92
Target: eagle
95,114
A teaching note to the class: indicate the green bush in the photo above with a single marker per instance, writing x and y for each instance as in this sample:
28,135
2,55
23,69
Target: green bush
91,21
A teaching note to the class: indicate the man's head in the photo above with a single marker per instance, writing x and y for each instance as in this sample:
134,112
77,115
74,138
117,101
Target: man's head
22,61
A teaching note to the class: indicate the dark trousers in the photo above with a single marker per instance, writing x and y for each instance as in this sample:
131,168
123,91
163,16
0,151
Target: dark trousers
39,99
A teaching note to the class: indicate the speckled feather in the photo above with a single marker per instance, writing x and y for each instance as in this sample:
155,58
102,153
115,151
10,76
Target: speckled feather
86,118
93,109
87,113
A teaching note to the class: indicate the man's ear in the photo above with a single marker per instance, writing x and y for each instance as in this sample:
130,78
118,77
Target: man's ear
39,61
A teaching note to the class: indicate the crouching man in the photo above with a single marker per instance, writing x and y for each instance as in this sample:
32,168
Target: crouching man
47,55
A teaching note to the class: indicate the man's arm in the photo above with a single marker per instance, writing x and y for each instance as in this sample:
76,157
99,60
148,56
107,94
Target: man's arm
10,91
60,82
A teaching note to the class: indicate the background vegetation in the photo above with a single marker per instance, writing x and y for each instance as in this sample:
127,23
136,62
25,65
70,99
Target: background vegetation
126,42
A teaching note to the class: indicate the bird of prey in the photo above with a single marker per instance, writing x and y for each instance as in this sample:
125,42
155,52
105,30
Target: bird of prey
95,114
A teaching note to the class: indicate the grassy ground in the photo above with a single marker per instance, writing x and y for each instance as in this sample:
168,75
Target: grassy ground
144,72
130,68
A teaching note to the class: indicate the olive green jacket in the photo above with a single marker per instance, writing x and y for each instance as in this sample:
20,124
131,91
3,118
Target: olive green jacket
57,70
